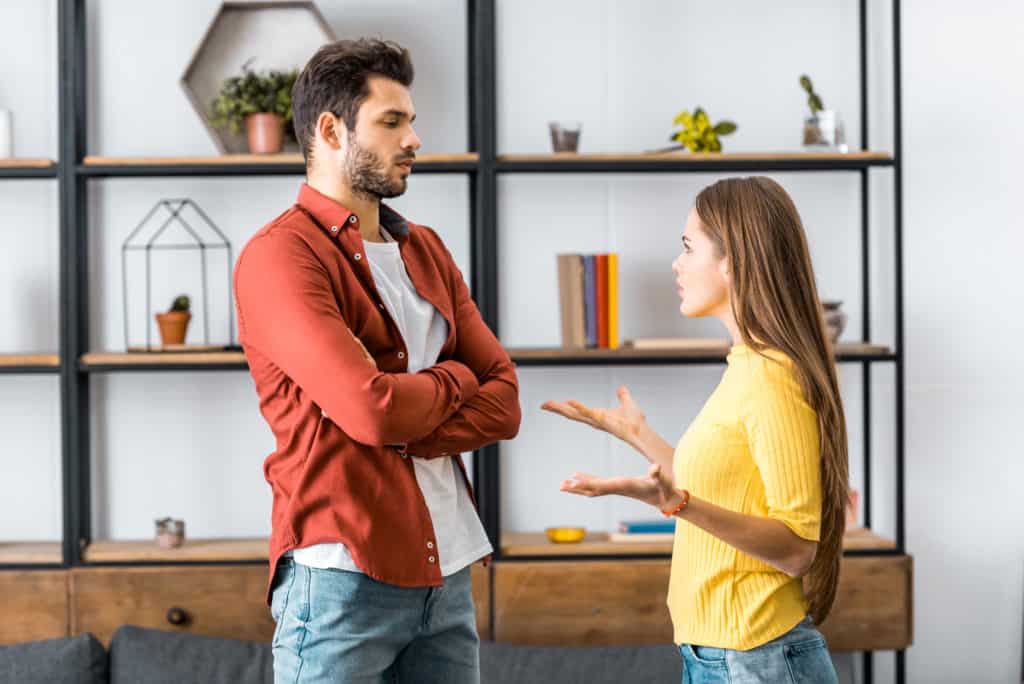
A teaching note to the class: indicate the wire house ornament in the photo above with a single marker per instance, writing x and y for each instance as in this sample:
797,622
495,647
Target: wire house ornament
174,209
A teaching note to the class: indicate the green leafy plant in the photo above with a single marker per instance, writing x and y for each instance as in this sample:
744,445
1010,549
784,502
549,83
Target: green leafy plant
180,303
697,133
254,93
813,99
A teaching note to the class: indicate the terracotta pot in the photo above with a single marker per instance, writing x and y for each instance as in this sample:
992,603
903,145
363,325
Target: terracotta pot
173,326
265,133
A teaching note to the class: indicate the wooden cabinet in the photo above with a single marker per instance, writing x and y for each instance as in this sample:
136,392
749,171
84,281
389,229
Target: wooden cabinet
874,605
221,600
36,605
574,603
225,601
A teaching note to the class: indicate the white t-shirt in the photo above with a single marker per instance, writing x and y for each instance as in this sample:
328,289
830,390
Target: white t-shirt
461,539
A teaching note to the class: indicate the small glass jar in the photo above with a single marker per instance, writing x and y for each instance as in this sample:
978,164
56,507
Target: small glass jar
565,135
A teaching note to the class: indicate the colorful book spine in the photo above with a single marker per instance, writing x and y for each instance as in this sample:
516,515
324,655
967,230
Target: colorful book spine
601,293
613,301
590,298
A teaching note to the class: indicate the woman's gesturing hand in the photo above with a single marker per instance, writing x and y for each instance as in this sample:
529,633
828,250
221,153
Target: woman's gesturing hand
626,421
655,488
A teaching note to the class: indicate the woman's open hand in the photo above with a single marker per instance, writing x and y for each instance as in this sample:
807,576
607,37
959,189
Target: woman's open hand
626,421
655,488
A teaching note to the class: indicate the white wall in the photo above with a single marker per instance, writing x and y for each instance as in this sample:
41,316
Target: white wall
190,445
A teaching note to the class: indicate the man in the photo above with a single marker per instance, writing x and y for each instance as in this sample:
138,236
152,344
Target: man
374,371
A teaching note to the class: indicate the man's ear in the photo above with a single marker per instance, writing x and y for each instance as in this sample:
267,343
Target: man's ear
331,129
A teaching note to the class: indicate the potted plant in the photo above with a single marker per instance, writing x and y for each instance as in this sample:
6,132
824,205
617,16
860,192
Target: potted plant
697,133
174,323
262,102
823,127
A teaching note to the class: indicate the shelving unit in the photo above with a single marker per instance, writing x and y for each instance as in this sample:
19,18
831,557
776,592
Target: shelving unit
519,553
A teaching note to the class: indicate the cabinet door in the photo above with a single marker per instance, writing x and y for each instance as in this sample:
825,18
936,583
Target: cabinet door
874,607
224,601
36,605
575,603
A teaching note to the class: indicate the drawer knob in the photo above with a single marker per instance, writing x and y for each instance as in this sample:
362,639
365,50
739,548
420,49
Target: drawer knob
177,616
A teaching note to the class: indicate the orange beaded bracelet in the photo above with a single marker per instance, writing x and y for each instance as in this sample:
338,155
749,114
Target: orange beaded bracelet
682,504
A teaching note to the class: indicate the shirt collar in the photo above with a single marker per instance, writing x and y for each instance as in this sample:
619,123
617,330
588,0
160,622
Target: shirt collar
335,218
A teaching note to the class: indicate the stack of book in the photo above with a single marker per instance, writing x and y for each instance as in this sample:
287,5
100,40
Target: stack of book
644,531
588,293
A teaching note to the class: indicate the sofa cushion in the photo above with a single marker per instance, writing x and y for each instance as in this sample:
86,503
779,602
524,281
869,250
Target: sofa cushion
158,657
507,663
74,660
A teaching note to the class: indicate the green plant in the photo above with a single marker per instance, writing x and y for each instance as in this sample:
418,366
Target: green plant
697,134
813,99
180,303
254,93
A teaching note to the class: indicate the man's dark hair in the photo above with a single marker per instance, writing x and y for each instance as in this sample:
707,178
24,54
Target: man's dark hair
336,80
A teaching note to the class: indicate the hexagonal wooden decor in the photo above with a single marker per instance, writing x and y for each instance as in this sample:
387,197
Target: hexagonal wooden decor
273,35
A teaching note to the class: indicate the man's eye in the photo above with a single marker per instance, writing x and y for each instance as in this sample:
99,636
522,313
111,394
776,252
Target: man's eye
391,123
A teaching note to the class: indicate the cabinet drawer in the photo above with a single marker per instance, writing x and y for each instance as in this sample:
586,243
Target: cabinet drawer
569,603
874,605
37,605
224,601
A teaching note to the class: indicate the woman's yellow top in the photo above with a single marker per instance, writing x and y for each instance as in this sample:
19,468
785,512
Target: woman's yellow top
752,449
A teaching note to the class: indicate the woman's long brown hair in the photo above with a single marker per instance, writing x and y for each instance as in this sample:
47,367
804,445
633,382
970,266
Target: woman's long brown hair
754,223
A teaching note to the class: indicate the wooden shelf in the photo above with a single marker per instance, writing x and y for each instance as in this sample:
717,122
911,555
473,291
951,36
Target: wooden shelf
557,356
30,553
536,544
28,168
29,363
235,360
687,161
247,164
27,163
255,549
138,361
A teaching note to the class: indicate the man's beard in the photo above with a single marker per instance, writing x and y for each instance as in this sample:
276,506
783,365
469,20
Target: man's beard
367,174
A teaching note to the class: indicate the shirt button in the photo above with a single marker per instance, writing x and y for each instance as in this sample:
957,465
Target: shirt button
357,256
334,229
353,218
380,306
431,559
430,544
401,355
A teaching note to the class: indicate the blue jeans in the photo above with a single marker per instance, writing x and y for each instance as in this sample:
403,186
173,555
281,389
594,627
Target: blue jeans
800,656
338,626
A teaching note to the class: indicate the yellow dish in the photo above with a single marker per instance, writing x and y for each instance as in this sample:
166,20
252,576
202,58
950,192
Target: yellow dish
566,535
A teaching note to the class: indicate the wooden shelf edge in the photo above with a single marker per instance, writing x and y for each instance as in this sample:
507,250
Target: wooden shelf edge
248,159
247,549
16,163
699,157
19,360
129,359
681,351
516,544
27,553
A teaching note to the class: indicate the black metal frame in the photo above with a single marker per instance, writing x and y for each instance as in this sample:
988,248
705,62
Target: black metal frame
73,175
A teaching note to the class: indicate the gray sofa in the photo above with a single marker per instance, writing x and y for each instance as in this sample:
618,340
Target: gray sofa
155,657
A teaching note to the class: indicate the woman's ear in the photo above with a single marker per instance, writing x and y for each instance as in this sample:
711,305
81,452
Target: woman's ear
725,269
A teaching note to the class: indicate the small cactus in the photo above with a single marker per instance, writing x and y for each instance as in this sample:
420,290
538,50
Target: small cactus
180,303
813,100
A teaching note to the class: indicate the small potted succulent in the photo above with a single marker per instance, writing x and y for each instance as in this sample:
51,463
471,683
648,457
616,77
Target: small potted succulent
697,134
261,102
822,128
174,323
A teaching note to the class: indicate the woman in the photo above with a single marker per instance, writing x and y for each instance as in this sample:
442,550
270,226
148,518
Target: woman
759,480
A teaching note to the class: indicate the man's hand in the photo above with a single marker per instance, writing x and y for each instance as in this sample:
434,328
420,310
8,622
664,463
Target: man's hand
366,354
